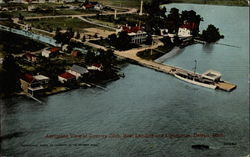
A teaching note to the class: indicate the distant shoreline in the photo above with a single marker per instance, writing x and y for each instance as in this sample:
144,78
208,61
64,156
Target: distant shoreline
221,3
136,3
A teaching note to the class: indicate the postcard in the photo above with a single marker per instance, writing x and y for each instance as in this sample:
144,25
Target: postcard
124,78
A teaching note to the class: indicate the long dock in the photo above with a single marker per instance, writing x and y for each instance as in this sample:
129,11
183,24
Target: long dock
168,69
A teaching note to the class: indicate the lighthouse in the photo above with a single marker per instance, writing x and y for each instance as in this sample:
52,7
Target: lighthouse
141,8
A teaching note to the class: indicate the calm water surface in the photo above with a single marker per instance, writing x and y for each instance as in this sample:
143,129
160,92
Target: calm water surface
147,102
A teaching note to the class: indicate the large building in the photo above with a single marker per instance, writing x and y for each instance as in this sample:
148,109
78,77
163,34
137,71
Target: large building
136,33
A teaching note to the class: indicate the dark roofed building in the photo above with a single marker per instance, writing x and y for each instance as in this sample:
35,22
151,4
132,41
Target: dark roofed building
78,71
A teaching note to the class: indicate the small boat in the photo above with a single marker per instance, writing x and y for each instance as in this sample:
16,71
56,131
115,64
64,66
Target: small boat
200,146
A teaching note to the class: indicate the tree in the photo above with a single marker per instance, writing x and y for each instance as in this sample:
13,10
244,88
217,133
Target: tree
173,20
191,17
77,35
211,34
83,38
177,40
149,40
64,38
20,17
90,57
123,41
167,41
10,75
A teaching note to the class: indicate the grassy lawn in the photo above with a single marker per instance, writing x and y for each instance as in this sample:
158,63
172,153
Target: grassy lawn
155,53
49,13
63,23
149,55
131,19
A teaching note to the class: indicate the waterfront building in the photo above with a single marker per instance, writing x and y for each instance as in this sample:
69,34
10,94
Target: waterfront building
50,52
77,71
97,67
136,33
33,84
66,77
187,29
184,32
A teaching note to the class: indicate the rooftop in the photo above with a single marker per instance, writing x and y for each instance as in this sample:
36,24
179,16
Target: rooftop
28,78
131,29
78,69
41,77
67,75
211,74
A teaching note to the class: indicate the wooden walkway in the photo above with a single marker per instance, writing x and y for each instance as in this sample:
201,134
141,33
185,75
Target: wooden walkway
131,54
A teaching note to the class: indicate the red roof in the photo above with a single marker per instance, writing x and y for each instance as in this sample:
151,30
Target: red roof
89,6
67,75
54,49
97,65
190,26
28,78
131,29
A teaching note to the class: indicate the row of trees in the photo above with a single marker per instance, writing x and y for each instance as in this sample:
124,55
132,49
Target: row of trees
9,77
157,18
120,41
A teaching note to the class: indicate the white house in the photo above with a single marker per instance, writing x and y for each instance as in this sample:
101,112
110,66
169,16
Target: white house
98,6
34,84
184,32
97,67
77,71
136,33
48,52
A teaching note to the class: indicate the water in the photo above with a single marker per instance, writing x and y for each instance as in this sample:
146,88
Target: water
31,35
147,102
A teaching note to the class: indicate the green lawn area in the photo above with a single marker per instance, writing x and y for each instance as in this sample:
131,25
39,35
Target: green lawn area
63,23
149,55
49,13
130,19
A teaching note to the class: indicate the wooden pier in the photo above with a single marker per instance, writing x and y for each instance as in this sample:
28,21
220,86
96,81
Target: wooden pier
168,69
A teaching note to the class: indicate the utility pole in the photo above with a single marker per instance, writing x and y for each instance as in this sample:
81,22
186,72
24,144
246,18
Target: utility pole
151,51
115,14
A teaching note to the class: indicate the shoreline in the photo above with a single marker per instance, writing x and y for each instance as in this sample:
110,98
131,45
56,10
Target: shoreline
197,3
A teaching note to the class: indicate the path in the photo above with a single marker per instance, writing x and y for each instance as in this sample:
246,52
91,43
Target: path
163,58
